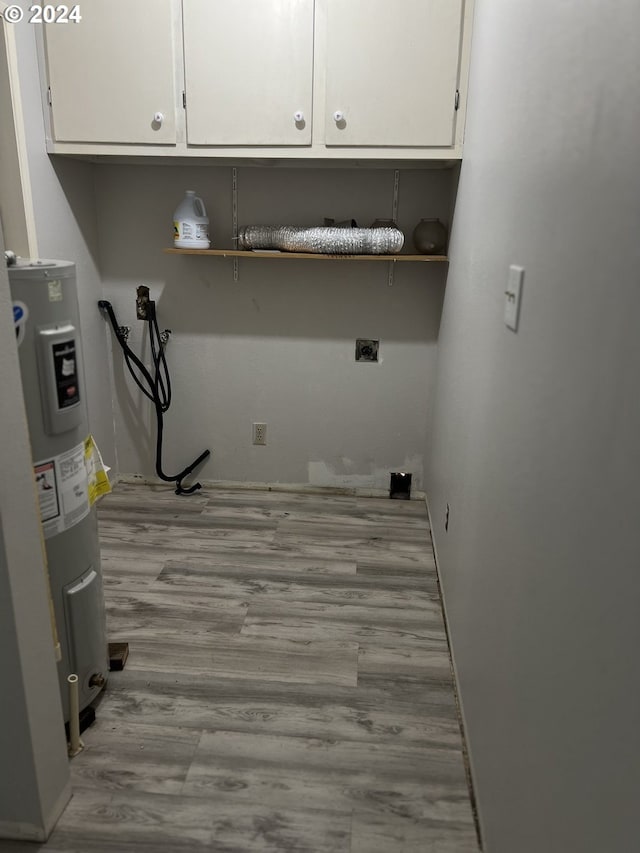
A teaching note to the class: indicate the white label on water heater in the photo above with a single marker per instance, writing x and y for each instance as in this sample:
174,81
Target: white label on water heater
62,484
60,381
55,290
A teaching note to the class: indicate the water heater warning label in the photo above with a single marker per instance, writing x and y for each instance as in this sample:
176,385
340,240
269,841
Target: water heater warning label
47,487
63,490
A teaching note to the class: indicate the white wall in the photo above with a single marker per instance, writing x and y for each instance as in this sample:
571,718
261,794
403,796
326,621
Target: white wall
278,346
65,223
34,772
536,435
14,189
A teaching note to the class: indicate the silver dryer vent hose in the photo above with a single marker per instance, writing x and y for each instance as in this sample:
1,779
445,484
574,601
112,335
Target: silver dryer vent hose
322,240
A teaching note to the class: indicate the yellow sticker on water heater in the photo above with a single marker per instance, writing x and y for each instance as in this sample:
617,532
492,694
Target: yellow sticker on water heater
98,481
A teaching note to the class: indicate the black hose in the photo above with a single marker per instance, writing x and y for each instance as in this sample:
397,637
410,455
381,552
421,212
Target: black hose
156,387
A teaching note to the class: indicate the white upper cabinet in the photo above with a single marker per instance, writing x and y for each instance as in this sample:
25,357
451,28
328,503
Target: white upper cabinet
294,79
392,72
111,76
248,71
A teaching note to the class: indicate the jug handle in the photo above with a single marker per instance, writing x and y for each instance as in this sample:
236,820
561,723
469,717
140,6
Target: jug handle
199,206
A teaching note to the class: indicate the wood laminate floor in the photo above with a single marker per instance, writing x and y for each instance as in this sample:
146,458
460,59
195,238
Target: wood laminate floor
288,686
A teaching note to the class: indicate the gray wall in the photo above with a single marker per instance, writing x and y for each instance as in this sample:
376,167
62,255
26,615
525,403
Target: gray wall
278,346
34,773
536,435
19,803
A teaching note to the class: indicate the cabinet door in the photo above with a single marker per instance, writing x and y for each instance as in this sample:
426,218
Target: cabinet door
112,72
248,71
392,71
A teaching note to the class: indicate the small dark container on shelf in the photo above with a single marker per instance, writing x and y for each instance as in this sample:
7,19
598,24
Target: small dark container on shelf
400,486
430,237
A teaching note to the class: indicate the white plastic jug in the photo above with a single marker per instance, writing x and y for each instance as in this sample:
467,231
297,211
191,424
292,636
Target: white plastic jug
190,223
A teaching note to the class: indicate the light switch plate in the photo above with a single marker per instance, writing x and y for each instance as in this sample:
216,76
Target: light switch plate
512,296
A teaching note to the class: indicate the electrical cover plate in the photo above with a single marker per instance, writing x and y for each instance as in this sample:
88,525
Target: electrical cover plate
512,296
259,433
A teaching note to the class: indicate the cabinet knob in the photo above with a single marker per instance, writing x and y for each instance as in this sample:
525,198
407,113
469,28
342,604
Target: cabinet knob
338,116
298,116
158,118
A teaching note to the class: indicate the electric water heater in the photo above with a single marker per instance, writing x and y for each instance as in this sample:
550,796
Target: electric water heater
46,321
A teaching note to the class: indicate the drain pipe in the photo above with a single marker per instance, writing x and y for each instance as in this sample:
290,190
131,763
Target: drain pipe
75,744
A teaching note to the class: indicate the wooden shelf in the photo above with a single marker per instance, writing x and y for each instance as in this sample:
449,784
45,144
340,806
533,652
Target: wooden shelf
237,253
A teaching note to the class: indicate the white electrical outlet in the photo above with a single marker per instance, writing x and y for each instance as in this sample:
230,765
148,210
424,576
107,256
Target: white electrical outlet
512,296
259,433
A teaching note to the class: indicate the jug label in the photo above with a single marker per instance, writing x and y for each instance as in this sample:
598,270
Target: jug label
190,231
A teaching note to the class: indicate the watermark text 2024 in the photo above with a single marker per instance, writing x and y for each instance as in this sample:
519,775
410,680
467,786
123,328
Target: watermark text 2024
47,14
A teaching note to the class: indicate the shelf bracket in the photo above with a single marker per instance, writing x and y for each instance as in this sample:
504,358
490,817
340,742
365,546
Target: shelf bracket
234,222
394,216
392,267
